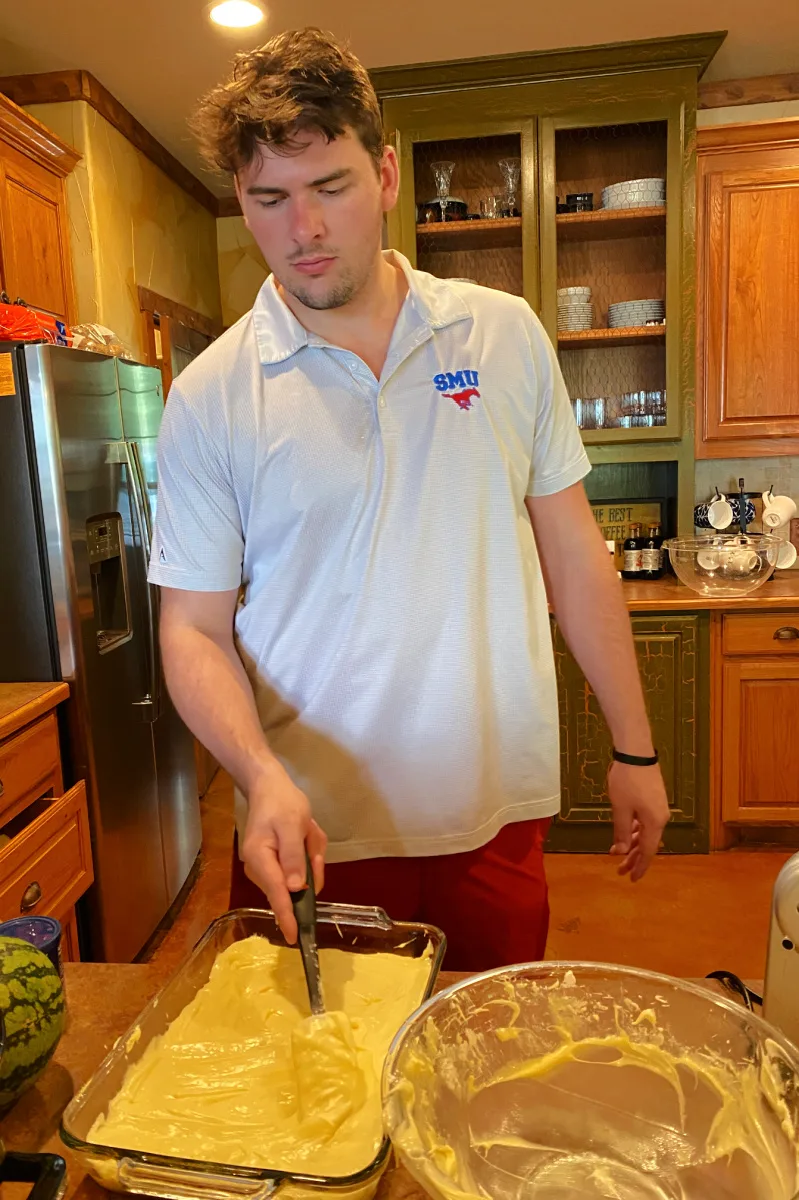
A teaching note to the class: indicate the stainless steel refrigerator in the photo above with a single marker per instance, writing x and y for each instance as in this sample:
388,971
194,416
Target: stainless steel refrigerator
78,491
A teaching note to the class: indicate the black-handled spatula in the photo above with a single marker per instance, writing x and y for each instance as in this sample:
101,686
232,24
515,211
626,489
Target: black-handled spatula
304,903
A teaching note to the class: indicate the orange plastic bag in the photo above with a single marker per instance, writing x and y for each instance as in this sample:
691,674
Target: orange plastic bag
18,323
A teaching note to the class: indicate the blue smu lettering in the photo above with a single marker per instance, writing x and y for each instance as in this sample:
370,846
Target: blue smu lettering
449,380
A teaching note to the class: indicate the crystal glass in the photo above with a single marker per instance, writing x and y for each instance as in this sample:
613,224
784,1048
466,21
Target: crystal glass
442,173
561,1080
511,169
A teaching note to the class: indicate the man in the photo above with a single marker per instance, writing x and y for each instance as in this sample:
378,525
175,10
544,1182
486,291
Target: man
388,464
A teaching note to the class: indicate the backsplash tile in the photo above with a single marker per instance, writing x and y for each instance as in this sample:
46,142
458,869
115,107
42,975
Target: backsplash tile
759,473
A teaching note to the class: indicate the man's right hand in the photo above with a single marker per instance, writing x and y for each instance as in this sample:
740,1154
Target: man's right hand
279,829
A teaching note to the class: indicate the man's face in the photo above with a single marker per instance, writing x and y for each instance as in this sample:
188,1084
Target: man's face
317,215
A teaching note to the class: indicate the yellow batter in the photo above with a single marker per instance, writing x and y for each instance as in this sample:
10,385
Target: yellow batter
245,1076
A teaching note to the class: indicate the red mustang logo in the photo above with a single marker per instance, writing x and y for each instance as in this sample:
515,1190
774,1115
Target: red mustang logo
463,399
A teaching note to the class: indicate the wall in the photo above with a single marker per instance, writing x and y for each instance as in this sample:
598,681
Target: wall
242,269
130,225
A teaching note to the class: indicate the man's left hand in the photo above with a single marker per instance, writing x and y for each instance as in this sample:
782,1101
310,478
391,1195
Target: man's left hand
640,813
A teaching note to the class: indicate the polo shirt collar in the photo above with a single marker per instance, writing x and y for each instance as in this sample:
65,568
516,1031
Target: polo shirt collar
279,334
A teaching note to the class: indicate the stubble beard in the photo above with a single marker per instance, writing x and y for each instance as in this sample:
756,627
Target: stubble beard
352,281
335,297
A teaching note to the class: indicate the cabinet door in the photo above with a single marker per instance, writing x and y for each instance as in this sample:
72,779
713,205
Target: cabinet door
33,234
674,663
500,250
612,265
748,315
759,776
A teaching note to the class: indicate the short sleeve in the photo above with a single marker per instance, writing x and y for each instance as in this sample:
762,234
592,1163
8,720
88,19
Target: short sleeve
559,458
197,540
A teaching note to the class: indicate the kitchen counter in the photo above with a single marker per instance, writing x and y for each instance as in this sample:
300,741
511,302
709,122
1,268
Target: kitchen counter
21,703
103,999
669,595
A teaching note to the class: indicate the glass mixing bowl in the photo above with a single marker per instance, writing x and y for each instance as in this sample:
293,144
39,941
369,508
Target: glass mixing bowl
559,1080
724,564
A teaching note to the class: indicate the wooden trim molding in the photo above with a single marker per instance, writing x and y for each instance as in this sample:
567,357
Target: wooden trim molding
35,140
783,133
764,89
695,50
53,87
228,206
151,302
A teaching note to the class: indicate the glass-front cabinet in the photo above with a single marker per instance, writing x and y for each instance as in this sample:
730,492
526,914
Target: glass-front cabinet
611,264
468,207
573,189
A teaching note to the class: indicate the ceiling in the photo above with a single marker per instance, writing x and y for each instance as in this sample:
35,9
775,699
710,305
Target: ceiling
157,57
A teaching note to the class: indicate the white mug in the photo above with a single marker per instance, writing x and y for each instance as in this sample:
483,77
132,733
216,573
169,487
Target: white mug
786,556
720,513
777,510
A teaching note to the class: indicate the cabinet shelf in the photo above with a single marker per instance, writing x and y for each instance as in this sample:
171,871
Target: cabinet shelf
611,223
471,235
638,335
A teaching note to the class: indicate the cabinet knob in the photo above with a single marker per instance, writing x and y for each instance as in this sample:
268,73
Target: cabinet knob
30,897
786,633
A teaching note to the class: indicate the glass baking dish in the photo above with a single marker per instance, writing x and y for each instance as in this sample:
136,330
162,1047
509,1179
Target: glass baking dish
340,926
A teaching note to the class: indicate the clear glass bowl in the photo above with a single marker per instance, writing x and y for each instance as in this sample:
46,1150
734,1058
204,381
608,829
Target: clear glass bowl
558,1080
340,926
724,564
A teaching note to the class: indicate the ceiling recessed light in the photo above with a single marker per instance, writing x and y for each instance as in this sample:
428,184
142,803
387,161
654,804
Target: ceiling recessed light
237,14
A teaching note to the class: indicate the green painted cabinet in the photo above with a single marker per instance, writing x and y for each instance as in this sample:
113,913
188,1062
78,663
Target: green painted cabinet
674,660
576,120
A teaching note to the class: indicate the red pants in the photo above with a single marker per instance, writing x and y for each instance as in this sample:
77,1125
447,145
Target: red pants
491,903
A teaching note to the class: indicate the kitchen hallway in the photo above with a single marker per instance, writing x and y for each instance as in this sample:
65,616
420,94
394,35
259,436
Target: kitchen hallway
692,913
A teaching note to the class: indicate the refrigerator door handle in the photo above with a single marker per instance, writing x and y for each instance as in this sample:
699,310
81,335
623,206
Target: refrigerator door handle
150,702
145,499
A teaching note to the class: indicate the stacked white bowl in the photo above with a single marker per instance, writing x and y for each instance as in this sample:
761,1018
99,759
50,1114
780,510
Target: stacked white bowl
635,193
575,310
631,313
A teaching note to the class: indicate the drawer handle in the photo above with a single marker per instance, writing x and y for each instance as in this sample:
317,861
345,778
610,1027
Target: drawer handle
2,788
30,897
786,633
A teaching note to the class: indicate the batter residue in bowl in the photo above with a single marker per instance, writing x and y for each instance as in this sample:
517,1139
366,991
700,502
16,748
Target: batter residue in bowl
627,1115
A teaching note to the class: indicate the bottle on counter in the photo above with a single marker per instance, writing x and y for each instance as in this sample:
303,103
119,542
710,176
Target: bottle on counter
652,555
633,552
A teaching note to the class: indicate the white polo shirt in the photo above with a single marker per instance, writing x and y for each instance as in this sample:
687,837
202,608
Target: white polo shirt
394,624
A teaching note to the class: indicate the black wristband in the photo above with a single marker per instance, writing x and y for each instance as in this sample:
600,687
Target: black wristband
634,760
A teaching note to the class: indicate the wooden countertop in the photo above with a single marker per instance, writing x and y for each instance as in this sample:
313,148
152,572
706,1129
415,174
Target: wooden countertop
103,999
669,595
21,703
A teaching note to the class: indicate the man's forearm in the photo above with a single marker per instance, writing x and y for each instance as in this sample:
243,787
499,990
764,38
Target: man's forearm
602,645
211,691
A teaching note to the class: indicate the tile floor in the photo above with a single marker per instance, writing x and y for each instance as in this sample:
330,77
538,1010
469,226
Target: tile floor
690,915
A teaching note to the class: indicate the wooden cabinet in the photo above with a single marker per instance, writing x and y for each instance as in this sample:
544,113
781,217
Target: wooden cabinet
574,122
673,656
748,273
756,760
45,844
35,262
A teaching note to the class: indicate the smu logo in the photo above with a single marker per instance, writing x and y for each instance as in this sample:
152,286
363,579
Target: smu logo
460,386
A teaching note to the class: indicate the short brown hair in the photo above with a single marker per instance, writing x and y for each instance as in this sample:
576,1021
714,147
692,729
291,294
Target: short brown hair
300,81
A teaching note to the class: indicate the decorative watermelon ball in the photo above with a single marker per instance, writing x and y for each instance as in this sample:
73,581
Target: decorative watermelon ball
32,1009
